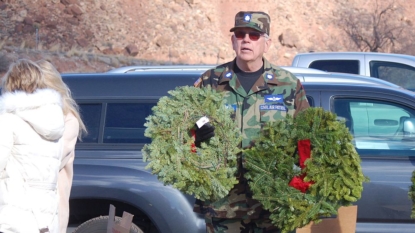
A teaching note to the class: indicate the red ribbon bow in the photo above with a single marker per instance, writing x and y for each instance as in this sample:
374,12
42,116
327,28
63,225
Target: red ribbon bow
193,146
304,151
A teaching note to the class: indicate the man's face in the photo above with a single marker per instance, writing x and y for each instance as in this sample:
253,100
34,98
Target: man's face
248,49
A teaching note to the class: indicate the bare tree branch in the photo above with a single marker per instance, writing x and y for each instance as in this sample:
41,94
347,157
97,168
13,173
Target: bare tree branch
373,31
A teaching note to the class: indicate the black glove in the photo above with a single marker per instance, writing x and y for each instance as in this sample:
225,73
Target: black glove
204,133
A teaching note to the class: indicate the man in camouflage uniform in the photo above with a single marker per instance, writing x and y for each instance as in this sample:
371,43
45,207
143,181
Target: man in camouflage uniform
258,91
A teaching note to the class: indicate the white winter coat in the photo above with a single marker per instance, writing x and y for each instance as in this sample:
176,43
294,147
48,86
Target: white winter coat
30,151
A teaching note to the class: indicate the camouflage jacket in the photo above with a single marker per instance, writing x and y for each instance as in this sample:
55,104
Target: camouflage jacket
275,94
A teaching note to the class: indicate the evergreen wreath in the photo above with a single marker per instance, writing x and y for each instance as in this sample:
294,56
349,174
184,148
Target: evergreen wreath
331,178
412,194
207,172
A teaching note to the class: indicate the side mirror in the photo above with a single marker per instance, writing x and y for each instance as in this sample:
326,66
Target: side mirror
409,128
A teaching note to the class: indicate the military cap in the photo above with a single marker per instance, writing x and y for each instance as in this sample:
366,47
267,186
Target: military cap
257,20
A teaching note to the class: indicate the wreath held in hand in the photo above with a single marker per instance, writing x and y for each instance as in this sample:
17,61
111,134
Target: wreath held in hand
207,172
305,168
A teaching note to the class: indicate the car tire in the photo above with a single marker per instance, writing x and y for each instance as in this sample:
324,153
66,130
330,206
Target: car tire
99,225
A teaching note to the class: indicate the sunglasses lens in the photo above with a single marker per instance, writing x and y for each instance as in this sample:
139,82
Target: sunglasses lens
254,36
239,34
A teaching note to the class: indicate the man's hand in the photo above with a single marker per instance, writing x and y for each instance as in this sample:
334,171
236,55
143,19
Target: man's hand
205,132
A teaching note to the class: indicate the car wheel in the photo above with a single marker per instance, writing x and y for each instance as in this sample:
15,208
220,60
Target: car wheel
99,225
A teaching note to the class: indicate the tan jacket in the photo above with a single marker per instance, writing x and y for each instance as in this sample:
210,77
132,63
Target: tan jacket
66,169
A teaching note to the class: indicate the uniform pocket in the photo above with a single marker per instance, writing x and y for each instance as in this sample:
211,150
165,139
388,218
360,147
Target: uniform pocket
271,108
272,112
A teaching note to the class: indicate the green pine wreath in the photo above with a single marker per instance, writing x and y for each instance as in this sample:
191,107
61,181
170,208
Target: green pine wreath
412,194
334,169
209,174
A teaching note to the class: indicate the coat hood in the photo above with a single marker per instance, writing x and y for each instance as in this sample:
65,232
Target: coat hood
41,109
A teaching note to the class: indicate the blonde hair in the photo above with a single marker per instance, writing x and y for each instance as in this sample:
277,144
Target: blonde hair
53,80
23,75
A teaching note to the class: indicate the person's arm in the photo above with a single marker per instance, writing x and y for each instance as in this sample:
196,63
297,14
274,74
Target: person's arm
203,130
300,102
66,169
201,81
69,138
6,139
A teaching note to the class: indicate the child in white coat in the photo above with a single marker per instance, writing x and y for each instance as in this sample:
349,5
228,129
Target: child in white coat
32,125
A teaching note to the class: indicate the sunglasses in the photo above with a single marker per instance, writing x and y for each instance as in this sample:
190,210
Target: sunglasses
254,36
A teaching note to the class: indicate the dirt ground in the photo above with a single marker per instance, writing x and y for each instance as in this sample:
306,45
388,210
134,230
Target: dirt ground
99,35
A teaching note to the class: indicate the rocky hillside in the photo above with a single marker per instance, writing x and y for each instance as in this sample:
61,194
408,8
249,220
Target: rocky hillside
98,35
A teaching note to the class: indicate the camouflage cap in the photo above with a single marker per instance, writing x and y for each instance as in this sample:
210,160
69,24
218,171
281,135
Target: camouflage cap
257,20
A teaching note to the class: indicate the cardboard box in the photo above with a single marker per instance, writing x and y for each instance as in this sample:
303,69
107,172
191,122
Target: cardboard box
123,227
344,223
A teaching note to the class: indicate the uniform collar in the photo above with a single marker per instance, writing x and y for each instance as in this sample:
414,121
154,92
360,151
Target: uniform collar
268,77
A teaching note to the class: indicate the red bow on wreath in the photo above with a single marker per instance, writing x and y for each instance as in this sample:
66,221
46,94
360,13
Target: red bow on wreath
304,151
193,145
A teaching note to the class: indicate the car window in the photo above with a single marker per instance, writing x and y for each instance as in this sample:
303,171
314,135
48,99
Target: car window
124,122
91,116
377,125
400,74
310,101
342,66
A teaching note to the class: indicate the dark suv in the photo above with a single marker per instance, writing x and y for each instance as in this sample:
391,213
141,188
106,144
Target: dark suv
109,168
